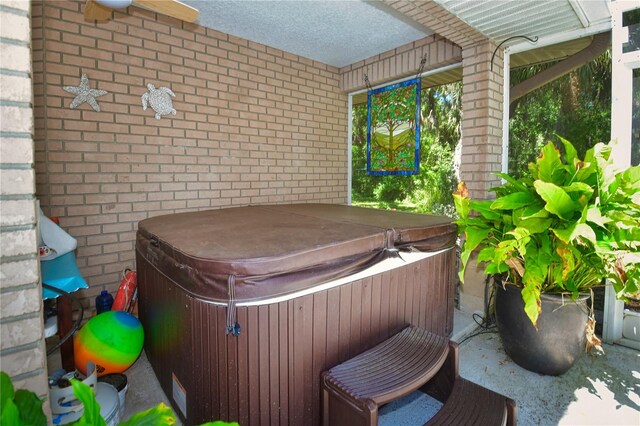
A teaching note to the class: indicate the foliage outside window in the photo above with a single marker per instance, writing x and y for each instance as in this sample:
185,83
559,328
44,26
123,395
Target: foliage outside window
577,106
431,189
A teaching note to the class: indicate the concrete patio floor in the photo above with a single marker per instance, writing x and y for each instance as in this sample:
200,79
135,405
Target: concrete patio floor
598,390
601,390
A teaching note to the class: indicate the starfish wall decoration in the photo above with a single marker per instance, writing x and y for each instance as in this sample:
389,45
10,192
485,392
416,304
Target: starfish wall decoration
84,94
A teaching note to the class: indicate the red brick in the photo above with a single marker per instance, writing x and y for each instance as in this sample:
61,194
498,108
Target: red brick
253,124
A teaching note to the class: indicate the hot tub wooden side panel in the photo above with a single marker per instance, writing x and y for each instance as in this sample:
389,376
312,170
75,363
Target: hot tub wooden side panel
270,374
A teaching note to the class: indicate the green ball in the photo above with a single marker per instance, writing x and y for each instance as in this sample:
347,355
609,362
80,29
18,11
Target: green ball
112,340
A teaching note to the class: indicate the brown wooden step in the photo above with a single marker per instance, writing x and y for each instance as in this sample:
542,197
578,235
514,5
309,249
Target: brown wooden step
353,390
466,403
473,405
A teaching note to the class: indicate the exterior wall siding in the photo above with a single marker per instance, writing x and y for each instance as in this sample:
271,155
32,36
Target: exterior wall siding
22,348
254,125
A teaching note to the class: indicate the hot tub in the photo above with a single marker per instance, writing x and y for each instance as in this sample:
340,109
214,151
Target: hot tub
243,308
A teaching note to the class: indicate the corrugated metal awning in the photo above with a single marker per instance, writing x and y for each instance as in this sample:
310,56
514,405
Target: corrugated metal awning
500,19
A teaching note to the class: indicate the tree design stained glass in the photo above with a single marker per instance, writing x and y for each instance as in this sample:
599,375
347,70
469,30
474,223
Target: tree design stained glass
393,129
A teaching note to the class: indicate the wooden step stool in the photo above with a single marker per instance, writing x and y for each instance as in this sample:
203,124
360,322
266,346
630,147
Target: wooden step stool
465,402
353,391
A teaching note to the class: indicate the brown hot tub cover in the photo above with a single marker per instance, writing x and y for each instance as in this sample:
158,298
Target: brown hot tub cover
251,253
278,263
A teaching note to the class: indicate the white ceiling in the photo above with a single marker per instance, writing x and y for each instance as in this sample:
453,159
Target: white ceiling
342,32
501,19
334,32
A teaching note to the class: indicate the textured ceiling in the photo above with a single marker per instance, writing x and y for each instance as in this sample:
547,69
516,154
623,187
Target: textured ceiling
335,32
342,32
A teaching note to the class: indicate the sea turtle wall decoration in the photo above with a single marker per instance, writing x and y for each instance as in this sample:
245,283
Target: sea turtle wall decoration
159,99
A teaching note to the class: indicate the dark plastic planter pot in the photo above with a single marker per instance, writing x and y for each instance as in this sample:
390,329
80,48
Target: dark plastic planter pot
559,340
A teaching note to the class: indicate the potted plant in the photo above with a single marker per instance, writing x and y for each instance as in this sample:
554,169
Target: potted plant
22,407
569,226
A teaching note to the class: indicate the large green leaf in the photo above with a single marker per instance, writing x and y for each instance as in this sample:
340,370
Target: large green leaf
631,285
595,216
631,177
622,219
6,390
513,201
545,252
585,232
10,415
521,239
629,183
504,250
537,264
21,407
462,205
159,415
568,262
496,268
580,187
484,208
514,182
557,200
474,221
30,408
535,225
486,254
533,169
576,230
606,171
536,211
550,168
91,413
585,171
571,155
474,236
532,305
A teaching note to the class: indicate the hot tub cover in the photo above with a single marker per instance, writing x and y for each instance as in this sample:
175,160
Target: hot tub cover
257,252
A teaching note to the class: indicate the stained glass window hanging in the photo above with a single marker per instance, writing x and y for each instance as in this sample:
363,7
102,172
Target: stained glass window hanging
393,129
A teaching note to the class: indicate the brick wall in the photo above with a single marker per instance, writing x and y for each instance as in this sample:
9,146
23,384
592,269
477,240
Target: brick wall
400,62
22,353
439,20
482,103
254,125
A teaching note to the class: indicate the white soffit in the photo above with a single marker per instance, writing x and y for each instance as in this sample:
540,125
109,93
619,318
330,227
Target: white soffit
501,19
335,32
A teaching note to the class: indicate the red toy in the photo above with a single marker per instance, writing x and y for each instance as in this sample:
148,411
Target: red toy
125,291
